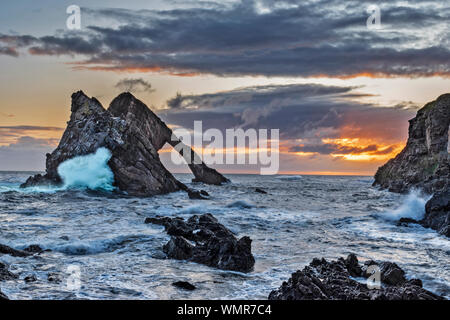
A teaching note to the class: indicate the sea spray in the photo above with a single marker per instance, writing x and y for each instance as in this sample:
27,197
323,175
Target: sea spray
90,171
413,206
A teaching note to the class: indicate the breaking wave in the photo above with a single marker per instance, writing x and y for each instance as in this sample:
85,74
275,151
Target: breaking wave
90,171
413,207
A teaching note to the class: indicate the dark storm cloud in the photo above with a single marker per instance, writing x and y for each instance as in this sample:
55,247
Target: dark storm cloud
300,111
134,85
271,38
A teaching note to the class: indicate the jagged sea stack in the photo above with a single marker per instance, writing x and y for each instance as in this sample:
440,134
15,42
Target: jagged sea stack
133,134
424,162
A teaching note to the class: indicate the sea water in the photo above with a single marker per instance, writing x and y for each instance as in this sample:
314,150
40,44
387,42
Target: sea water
118,256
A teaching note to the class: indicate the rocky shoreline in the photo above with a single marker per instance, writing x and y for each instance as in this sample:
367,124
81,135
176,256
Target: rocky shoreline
338,280
202,239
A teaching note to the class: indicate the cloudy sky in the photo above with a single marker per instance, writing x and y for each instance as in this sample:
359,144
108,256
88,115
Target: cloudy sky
340,93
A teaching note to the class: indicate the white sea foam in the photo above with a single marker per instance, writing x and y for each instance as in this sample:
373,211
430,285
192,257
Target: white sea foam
90,171
80,247
413,206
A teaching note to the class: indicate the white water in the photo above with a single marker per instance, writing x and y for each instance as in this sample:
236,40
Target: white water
90,171
413,206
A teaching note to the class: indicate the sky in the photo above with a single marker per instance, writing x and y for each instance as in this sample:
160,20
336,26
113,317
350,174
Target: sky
340,93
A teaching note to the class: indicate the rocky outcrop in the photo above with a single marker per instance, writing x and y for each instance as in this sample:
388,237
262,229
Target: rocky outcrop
28,251
437,213
204,240
133,134
184,285
424,162
323,280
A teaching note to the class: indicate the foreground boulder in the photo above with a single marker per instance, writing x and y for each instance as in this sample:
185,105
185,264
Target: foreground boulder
133,134
323,280
204,240
424,162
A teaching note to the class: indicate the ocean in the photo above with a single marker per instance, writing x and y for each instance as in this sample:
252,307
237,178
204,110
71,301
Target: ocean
115,255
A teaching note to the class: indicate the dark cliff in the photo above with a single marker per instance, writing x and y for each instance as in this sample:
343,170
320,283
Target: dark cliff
133,134
424,162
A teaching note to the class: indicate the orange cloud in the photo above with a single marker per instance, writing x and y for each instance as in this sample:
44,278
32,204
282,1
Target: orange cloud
12,134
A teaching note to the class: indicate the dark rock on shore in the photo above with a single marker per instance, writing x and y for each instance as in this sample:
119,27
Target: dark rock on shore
437,213
424,162
28,251
204,240
4,249
5,274
54,277
198,195
30,278
323,280
34,248
407,221
184,285
260,191
133,134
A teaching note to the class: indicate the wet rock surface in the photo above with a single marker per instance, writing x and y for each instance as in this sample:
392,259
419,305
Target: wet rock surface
198,195
437,213
133,134
204,240
184,285
335,280
4,249
424,162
